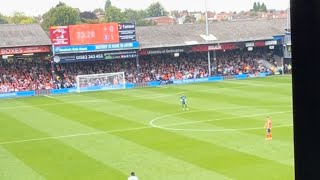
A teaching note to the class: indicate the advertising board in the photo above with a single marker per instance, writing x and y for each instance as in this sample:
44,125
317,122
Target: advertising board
127,32
24,50
59,35
259,43
94,34
163,51
98,47
94,56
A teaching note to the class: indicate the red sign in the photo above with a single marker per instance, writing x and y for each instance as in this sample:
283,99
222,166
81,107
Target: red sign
225,46
229,46
24,50
200,48
94,34
259,43
59,35
215,47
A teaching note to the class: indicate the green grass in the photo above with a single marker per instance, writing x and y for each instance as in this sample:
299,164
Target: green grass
106,135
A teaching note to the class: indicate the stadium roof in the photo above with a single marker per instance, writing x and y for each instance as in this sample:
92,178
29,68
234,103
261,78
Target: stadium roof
226,31
16,35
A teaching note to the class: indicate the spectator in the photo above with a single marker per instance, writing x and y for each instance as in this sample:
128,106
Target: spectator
22,75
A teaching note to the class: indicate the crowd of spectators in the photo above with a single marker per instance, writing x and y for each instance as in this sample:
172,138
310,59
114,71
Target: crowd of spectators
20,75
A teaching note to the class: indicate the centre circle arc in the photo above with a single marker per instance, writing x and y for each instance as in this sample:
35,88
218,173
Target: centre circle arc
167,126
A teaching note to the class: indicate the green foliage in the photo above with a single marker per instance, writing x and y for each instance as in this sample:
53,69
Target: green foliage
156,10
107,5
134,15
90,21
61,15
21,18
257,7
114,14
89,17
61,4
143,22
3,19
98,10
189,19
137,16
263,8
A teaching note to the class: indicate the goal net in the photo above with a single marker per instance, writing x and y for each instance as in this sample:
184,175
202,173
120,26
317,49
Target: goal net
96,82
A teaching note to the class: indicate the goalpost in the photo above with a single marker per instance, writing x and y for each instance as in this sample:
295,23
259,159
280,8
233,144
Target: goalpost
96,82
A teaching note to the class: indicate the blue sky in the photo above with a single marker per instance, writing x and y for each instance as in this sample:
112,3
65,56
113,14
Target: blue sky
36,7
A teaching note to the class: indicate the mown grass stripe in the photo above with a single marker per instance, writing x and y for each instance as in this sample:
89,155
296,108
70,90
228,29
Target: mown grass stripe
13,168
135,108
54,160
157,136
113,151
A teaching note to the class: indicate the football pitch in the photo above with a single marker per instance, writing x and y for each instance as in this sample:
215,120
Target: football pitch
107,134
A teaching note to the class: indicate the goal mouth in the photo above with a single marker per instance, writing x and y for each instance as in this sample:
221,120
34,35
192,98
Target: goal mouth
99,82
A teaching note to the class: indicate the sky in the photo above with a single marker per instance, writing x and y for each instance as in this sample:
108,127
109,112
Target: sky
38,7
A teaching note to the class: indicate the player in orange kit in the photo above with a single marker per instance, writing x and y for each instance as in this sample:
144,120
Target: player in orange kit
269,127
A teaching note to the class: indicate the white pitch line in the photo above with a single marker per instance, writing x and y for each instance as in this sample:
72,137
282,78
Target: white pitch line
49,96
72,135
195,122
214,109
123,130
223,130
87,101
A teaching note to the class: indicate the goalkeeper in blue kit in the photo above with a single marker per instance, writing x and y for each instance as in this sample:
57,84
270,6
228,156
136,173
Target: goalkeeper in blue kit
183,100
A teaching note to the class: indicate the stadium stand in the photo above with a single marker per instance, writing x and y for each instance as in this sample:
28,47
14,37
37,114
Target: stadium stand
36,74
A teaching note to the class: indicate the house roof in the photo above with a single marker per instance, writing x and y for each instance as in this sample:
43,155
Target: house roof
227,31
18,35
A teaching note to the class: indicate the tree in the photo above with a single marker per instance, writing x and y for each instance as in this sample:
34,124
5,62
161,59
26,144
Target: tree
255,7
189,19
263,8
61,4
156,10
99,12
114,14
21,18
107,5
3,19
134,15
258,7
61,15
143,22
89,17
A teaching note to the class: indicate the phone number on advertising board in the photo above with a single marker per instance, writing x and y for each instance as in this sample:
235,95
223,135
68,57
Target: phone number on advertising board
91,56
